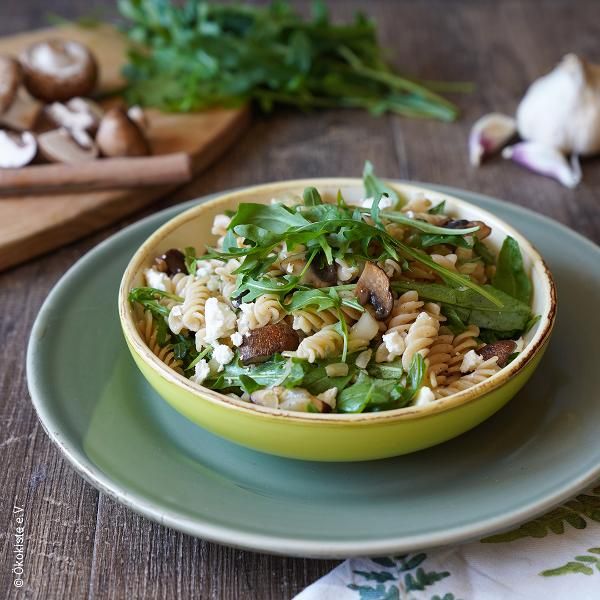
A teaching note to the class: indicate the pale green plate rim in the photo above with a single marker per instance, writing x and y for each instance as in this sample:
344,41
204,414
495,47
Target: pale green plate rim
269,543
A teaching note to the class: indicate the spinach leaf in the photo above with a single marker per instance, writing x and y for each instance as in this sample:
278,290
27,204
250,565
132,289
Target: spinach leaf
391,370
484,252
316,380
471,307
366,391
510,276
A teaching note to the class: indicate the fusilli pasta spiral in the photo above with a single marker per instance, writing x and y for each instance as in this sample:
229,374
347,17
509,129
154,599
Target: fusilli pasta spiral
419,338
483,371
147,330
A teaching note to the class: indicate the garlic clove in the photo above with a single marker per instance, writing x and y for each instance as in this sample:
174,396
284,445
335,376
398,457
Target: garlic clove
489,134
545,160
562,108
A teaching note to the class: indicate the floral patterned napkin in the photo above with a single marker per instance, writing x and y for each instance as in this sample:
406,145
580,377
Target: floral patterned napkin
553,557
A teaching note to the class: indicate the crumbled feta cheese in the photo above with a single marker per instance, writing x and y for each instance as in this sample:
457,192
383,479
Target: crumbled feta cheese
204,269
394,343
220,320
362,360
157,280
424,396
385,202
220,225
201,372
470,361
328,396
237,339
337,370
222,354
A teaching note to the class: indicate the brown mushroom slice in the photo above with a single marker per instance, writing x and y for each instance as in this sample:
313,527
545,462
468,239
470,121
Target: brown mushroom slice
11,76
119,135
171,262
502,349
60,145
373,287
320,274
16,150
483,231
23,113
57,70
260,344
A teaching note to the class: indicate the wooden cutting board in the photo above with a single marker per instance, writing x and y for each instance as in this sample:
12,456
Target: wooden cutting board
32,225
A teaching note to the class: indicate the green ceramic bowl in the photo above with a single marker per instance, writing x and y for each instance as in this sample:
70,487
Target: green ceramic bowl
333,437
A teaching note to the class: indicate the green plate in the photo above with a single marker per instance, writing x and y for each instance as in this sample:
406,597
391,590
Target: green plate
125,440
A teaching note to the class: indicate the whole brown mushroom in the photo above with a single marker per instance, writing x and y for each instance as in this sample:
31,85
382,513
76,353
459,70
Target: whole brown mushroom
119,135
11,76
57,70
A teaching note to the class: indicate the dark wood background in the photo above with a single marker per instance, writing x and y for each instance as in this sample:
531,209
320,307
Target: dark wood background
81,544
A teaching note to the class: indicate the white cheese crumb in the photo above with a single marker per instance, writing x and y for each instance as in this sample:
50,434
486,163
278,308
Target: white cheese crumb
362,360
175,319
237,339
220,320
222,354
201,372
394,343
470,362
337,370
157,280
220,225
424,396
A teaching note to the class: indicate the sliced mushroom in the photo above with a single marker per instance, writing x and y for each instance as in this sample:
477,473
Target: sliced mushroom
23,113
118,135
260,344
57,70
502,349
373,287
77,113
171,262
60,145
320,274
483,231
16,150
11,76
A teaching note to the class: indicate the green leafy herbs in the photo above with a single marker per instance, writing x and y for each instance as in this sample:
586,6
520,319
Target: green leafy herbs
375,188
204,54
190,260
371,393
467,306
510,276
438,209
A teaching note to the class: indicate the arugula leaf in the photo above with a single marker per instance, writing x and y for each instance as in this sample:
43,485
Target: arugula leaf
276,371
366,391
433,239
316,380
149,298
195,55
312,197
190,260
416,375
272,218
471,307
438,209
425,227
510,276
375,188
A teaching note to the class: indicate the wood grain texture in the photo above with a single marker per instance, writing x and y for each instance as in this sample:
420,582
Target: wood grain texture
82,545
33,224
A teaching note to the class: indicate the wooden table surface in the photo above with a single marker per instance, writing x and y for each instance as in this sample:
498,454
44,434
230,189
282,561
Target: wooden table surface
81,544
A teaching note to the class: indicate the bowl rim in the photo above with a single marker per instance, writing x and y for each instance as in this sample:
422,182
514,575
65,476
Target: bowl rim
452,402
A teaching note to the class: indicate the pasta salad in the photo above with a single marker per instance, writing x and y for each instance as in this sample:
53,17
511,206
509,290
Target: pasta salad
321,305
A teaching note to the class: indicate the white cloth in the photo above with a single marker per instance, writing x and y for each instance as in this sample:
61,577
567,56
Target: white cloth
554,557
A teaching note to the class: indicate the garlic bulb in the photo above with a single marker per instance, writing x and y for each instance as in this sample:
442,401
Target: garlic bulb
561,110
488,135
